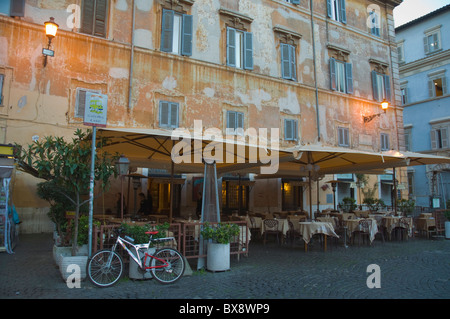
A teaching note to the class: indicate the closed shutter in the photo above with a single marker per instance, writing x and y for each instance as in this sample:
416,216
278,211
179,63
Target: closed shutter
295,1
248,51
292,62
288,130
174,115
426,47
93,19
163,113
80,101
17,8
333,73
231,47
239,120
285,63
444,138
100,18
444,85
343,14
186,42
433,136
376,97
387,87
167,30
349,77
329,9
231,120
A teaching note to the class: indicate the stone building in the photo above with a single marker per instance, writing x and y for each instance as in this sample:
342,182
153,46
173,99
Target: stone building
312,68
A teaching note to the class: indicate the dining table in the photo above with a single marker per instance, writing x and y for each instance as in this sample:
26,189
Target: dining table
391,222
424,222
354,225
308,229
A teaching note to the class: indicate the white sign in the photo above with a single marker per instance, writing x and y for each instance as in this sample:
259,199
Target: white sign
95,111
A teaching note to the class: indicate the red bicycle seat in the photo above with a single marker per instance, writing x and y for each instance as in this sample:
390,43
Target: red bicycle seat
152,232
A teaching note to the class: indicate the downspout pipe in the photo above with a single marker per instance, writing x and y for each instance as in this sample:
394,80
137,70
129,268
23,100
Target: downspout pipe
315,71
130,84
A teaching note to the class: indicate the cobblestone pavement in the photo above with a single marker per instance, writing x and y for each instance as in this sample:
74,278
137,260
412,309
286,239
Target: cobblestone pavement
417,269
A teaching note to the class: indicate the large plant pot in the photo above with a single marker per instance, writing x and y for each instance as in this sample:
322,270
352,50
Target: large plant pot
59,251
66,261
447,230
218,258
134,272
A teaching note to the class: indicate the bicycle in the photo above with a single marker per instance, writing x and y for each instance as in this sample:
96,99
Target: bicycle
166,265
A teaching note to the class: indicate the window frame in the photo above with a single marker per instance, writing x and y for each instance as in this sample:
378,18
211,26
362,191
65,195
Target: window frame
383,79
245,48
336,10
345,76
170,106
289,72
432,85
343,136
432,32
235,130
439,136
91,27
182,36
293,123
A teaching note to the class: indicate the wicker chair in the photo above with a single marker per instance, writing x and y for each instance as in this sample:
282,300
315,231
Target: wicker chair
271,228
292,234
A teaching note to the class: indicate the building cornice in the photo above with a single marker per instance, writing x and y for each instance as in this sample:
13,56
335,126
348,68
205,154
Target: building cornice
427,62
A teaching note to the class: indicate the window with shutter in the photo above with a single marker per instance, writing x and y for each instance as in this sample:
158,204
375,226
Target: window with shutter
17,8
235,123
381,86
168,114
290,130
341,76
336,10
239,49
93,17
176,32
439,138
288,65
80,101
343,137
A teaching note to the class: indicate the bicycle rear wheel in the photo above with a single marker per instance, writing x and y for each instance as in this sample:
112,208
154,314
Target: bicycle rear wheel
100,273
174,270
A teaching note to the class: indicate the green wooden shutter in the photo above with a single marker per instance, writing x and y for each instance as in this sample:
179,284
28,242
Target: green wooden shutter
167,30
174,115
375,86
285,61
292,62
333,73
186,41
342,13
329,9
387,87
349,77
163,113
231,47
248,51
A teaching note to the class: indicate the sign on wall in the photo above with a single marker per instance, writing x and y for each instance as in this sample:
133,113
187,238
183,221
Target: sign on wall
96,109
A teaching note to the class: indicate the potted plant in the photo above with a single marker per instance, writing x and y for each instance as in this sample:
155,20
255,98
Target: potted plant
219,236
406,206
348,204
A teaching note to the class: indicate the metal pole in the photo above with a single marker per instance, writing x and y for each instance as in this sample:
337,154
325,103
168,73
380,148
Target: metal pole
91,188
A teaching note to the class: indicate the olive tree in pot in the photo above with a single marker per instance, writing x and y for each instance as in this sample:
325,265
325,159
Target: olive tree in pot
66,166
220,235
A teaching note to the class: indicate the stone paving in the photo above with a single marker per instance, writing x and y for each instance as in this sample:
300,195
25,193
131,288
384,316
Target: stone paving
415,269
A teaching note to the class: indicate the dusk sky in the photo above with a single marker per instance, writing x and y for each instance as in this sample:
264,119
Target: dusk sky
413,9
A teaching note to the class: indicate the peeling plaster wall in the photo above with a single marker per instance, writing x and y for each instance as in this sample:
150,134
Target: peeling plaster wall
41,101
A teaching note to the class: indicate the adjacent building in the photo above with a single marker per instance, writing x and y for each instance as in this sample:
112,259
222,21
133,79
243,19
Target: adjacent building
312,68
424,63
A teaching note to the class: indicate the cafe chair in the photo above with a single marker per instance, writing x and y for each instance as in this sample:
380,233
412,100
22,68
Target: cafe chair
292,234
362,231
401,229
254,230
271,228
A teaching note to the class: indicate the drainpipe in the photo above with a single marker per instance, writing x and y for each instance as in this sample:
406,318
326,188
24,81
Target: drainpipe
130,84
315,72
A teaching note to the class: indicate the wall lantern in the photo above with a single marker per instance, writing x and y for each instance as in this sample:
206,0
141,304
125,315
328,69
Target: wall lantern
384,107
50,31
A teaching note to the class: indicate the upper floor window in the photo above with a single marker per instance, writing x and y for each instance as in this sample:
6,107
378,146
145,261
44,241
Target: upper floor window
437,84
168,114
235,123
408,138
401,52
93,17
13,8
239,49
176,33
344,136
341,76
375,22
290,130
289,43
381,86
432,40
439,137
336,10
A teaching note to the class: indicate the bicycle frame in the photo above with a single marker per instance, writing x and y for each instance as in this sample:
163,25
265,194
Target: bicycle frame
125,243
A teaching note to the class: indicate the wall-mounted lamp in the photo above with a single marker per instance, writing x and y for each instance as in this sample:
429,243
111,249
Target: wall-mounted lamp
50,31
384,107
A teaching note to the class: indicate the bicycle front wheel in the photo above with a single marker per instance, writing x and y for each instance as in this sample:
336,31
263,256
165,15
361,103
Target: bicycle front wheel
103,273
169,265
